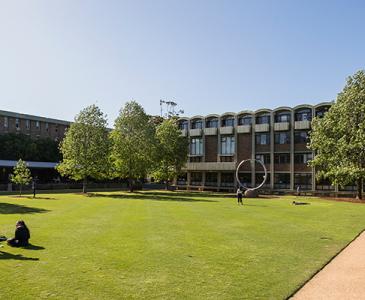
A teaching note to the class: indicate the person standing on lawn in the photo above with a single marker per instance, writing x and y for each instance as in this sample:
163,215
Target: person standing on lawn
239,196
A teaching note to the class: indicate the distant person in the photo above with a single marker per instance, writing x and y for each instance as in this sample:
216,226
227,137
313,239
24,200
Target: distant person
298,190
33,188
22,235
239,196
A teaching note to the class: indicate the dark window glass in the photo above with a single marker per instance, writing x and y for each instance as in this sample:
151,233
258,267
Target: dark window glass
302,158
196,178
282,158
265,158
196,146
282,181
227,179
245,121
282,138
303,181
303,115
182,125
301,137
262,139
263,120
228,122
197,124
282,117
211,179
212,123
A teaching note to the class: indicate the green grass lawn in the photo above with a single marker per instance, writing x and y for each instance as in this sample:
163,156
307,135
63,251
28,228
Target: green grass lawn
158,245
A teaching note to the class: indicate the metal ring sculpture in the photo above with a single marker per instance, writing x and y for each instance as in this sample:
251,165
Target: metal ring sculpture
238,179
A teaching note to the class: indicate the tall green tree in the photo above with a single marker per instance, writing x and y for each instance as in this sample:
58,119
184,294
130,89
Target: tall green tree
339,137
86,147
21,175
172,151
133,143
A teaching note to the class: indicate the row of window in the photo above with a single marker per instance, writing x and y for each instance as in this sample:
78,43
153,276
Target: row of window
282,138
300,115
281,180
37,124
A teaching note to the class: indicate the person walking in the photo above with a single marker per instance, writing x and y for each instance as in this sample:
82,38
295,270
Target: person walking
239,196
33,188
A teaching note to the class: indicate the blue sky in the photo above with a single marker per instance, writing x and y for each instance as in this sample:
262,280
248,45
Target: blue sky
57,57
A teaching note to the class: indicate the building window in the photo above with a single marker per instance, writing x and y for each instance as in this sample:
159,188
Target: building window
301,137
182,125
196,146
282,181
302,158
227,179
196,178
259,177
227,145
37,125
211,179
282,158
27,124
245,120
282,138
6,122
282,117
320,112
212,123
17,123
197,124
262,139
227,122
303,115
263,120
304,181
265,158
47,126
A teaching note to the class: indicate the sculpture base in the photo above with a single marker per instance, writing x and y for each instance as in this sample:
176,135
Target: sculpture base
251,194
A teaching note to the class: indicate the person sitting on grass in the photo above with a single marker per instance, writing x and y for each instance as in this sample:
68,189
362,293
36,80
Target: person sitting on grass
22,235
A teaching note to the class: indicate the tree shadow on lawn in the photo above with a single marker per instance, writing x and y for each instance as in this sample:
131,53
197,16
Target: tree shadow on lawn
34,247
151,197
8,208
6,255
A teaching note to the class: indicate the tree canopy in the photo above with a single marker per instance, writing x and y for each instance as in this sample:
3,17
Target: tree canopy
21,174
86,146
172,151
339,137
133,140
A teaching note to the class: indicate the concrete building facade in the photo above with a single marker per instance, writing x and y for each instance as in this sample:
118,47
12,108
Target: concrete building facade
279,137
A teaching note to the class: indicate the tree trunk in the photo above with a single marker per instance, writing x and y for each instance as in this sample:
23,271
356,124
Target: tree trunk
20,190
84,185
359,188
131,185
166,185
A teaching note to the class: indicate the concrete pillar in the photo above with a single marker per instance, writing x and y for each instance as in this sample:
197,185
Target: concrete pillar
292,187
253,153
272,150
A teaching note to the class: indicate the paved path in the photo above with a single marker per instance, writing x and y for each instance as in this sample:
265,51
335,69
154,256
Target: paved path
343,278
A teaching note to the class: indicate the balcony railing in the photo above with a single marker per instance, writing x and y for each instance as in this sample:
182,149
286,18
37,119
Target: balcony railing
210,131
244,129
184,132
195,132
262,127
302,124
283,126
226,130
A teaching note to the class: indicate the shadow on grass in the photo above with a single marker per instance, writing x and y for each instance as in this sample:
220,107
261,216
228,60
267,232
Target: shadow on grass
153,197
6,255
40,198
8,208
34,247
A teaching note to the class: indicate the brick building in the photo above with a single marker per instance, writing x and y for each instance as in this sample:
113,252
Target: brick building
35,127
218,143
11,122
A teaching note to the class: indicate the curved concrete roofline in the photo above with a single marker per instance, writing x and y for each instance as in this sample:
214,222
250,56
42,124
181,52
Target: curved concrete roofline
303,106
228,114
183,119
263,110
197,117
324,104
282,108
212,116
247,112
